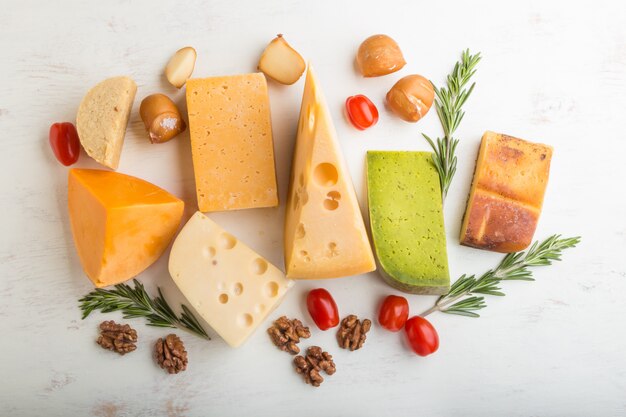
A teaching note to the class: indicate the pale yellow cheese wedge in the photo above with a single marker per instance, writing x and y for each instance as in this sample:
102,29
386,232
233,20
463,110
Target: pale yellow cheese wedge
325,235
233,288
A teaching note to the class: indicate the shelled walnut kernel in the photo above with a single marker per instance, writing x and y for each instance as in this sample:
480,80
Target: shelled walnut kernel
171,354
286,334
119,338
352,332
315,361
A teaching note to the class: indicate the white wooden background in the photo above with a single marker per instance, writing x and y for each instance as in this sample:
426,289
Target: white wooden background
553,72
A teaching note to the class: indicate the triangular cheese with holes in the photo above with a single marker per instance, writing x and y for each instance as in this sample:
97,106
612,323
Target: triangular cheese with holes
325,235
232,287
121,224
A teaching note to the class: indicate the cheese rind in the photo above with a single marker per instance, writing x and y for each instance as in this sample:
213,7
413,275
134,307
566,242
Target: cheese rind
231,142
507,193
406,218
230,286
120,224
325,236
102,118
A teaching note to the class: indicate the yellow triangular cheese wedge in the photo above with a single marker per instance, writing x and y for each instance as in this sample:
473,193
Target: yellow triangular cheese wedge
325,235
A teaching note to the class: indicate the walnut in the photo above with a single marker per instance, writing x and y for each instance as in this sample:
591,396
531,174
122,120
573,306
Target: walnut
315,361
119,338
351,333
286,334
171,354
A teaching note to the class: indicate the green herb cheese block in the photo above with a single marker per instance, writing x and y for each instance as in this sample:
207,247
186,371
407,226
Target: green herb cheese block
406,217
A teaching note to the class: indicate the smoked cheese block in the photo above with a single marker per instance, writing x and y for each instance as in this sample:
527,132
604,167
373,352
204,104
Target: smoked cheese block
507,193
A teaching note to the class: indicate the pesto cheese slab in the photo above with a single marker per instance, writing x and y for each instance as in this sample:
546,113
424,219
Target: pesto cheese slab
406,218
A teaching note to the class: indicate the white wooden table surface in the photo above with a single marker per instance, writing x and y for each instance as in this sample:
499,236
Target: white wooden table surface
553,72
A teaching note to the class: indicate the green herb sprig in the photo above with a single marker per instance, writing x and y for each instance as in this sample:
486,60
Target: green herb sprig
136,302
461,299
449,102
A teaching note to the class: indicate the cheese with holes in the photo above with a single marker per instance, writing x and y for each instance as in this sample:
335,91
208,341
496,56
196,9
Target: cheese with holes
406,217
230,286
231,142
507,193
324,232
120,224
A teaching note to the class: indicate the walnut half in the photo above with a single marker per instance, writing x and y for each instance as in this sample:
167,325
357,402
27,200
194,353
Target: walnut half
119,338
352,332
315,361
171,354
286,334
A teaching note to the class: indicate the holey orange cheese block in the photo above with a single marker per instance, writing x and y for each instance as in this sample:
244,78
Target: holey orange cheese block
325,235
121,224
231,142
507,193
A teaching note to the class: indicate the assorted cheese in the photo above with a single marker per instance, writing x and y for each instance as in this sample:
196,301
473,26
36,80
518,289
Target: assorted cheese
325,235
507,193
102,118
230,286
231,142
406,218
121,224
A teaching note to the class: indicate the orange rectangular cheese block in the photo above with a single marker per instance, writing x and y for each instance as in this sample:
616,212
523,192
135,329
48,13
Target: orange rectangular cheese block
231,142
507,193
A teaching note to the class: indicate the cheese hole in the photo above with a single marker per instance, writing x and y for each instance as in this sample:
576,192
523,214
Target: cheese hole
245,320
300,232
325,174
208,252
334,195
237,288
302,197
331,204
223,298
227,241
332,200
259,308
310,117
271,289
259,266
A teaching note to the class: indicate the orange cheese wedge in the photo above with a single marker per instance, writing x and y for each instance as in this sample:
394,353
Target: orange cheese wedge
120,224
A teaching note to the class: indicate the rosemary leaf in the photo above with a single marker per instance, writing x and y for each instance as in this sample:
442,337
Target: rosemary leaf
136,303
514,266
448,104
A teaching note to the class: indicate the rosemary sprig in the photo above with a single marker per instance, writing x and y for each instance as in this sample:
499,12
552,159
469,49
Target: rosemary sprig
135,302
461,299
448,102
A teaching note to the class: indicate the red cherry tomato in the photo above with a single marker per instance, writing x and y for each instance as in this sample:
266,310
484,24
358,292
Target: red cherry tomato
65,143
361,112
322,308
422,336
393,313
